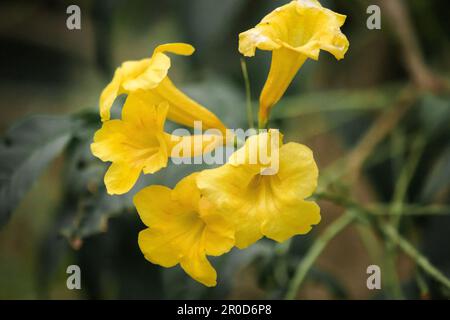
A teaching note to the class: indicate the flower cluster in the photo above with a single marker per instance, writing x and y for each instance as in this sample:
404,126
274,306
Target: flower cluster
209,212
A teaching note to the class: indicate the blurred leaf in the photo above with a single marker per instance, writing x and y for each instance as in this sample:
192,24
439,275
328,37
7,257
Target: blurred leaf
439,178
51,251
114,266
221,97
86,202
26,151
335,100
220,14
434,114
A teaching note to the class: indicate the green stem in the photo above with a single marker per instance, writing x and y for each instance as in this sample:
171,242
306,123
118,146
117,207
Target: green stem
391,279
411,210
404,180
414,254
315,250
382,209
369,241
423,287
248,94
400,192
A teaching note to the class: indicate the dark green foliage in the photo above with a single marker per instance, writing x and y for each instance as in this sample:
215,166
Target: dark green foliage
26,150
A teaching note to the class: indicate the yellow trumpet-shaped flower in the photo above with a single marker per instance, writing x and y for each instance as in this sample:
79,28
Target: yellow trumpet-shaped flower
149,77
265,205
183,229
293,32
138,143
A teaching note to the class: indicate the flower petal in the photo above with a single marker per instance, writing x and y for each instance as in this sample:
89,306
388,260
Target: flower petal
179,48
223,186
218,237
258,150
186,111
141,113
296,218
285,65
298,171
249,231
156,248
107,141
109,94
255,38
187,193
121,177
198,267
153,204
156,162
152,76
126,72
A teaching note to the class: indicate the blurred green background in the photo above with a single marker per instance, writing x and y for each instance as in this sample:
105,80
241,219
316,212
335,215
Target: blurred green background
377,121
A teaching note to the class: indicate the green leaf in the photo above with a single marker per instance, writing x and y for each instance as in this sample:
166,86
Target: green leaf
26,151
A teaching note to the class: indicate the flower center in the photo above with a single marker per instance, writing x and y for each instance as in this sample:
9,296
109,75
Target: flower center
262,187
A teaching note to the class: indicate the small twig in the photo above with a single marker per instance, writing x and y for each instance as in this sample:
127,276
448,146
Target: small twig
315,250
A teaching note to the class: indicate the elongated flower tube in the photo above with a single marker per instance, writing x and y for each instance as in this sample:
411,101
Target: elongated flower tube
183,229
260,204
294,32
149,78
137,143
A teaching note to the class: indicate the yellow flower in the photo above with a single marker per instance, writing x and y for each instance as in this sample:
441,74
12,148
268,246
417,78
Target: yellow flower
293,32
183,228
149,77
138,143
265,205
